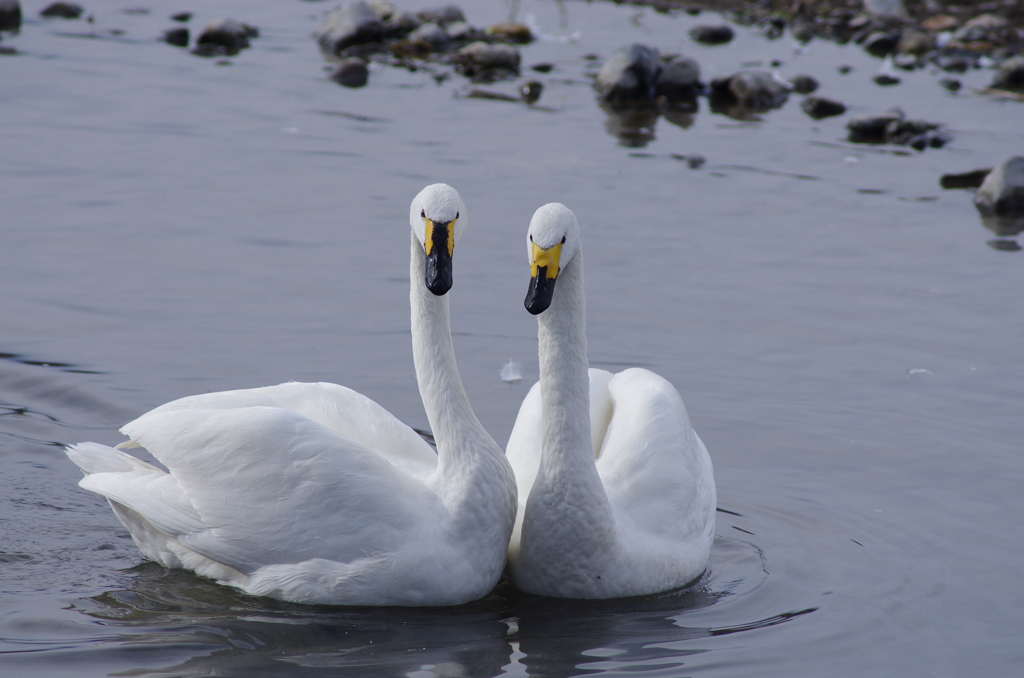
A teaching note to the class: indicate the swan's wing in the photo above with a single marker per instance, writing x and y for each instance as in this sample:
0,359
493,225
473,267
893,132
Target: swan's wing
655,469
263,485
336,407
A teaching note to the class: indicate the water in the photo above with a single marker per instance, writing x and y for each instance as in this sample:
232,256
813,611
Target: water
846,341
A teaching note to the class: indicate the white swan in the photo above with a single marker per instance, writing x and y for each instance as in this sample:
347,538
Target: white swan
313,493
617,495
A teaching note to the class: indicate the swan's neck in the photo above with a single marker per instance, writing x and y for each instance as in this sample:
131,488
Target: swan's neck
462,441
567,467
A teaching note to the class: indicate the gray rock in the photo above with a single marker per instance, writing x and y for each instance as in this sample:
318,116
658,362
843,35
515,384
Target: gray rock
803,84
881,43
228,34
481,55
870,128
353,23
459,30
678,80
886,9
63,10
820,107
629,75
972,179
1010,75
753,90
530,91
951,84
176,36
711,35
351,72
442,15
399,25
432,34
10,15
1002,192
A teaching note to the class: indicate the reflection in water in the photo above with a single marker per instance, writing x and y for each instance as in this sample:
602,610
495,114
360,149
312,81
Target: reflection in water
225,632
633,125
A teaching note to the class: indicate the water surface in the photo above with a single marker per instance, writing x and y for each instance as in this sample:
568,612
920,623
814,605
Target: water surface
844,337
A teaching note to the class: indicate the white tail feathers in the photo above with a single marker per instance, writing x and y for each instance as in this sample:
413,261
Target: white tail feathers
96,458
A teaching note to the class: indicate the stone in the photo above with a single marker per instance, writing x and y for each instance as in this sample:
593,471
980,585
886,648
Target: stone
399,24
1002,192
678,80
512,32
988,22
229,34
530,91
972,179
870,128
10,15
442,15
351,72
803,84
939,23
629,75
711,35
182,17
432,34
177,36
953,63
1010,75
481,56
352,23
63,10
820,107
754,90
886,9
881,43
915,42
886,80
544,67
951,84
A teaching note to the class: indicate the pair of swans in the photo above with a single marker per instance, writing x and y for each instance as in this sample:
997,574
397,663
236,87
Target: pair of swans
313,493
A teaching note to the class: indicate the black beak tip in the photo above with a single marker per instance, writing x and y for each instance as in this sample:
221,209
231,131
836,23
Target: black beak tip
440,285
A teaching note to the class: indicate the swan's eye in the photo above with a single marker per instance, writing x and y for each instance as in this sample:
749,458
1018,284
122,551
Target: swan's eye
456,215
563,239
423,214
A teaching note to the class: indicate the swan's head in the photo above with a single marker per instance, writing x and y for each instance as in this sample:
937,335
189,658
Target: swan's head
438,218
553,241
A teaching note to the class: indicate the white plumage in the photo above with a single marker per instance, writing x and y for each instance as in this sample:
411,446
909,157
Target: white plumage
617,494
314,493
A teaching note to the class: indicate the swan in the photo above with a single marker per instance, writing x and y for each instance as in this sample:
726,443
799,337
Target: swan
313,493
617,495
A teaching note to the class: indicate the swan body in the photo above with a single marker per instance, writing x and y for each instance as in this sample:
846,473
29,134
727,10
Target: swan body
313,493
617,494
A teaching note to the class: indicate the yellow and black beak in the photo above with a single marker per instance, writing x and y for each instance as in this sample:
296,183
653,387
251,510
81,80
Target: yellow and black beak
439,245
543,273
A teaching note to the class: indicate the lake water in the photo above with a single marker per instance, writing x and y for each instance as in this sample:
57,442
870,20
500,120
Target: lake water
845,337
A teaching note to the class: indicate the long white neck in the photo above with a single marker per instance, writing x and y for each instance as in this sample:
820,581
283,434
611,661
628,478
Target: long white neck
567,471
463,445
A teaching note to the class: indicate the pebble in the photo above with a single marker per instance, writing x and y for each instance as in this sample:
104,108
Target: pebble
182,17
543,67
1002,192
678,80
972,179
227,34
629,74
803,84
820,107
63,10
885,80
951,84
1010,75
870,128
886,9
432,34
755,91
10,15
881,44
513,32
351,72
481,56
914,42
448,14
352,23
711,35
177,36
530,91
